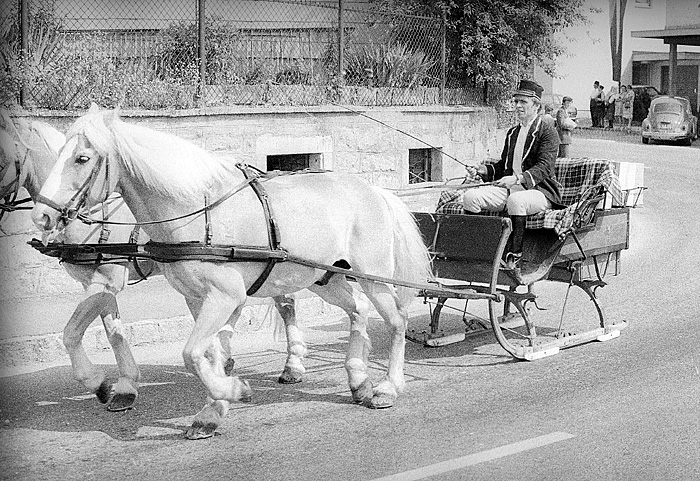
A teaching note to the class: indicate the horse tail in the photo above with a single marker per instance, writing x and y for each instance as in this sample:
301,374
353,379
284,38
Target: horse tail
411,258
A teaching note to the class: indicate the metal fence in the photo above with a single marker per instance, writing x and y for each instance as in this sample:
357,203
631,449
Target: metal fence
187,53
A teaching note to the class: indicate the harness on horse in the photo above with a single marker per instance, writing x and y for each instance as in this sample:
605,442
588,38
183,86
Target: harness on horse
9,202
167,252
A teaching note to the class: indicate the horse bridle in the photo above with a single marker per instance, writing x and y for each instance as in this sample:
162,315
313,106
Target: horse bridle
70,211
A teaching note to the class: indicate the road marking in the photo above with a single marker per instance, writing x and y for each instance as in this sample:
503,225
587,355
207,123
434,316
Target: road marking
477,458
154,431
85,397
185,373
81,397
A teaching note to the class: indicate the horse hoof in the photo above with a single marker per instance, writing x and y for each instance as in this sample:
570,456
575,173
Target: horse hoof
290,376
363,393
200,431
228,367
380,401
103,392
121,402
245,394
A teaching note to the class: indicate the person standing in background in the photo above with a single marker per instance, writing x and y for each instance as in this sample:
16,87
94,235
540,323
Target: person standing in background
593,105
547,116
628,107
618,104
600,107
564,127
610,102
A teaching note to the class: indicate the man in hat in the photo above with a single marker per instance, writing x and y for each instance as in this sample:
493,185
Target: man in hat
523,180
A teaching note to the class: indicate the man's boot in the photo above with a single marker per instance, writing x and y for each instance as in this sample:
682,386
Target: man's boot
516,241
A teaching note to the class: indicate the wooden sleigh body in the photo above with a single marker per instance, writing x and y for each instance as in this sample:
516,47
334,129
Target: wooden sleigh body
468,251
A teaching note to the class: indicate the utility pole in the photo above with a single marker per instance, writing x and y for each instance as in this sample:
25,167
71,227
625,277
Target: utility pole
24,33
617,24
341,41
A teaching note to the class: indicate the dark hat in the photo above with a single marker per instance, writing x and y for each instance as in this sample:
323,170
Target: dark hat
529,88
567,99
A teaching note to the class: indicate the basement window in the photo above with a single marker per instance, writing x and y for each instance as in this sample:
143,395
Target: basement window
293,162
424,165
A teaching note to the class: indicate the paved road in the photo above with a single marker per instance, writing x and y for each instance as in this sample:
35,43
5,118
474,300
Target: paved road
624,409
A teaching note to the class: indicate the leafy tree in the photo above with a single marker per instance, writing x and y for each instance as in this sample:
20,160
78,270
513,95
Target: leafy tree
496,42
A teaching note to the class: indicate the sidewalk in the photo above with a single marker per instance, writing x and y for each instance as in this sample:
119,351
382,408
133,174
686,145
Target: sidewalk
151,313
617,133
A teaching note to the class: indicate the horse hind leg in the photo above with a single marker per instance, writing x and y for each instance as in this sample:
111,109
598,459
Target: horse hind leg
339,292
296,348
384,300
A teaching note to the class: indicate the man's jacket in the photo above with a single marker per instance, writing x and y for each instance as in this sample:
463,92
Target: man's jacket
539,155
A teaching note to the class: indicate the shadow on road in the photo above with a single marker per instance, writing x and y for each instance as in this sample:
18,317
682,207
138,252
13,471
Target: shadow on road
51,400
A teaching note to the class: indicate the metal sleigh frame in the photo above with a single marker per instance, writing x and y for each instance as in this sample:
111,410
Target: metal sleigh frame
465,248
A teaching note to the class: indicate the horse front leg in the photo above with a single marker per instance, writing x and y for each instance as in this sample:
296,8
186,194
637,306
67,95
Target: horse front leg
125,391
113,278
202,356
84,371
296,348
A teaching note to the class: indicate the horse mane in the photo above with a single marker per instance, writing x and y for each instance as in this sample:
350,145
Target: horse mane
42,143
161,161
52,138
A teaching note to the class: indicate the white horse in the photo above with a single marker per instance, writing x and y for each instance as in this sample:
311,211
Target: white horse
28,152
324,218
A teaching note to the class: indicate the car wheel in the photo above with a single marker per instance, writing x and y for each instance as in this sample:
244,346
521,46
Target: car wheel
645,140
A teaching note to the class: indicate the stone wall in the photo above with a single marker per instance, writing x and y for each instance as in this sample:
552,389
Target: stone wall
36,294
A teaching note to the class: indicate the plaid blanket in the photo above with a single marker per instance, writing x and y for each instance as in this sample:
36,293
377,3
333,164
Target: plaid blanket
580,178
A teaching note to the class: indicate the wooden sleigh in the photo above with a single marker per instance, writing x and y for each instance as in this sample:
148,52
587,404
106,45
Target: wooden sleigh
468,249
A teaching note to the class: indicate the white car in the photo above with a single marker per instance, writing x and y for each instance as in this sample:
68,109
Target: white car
670,119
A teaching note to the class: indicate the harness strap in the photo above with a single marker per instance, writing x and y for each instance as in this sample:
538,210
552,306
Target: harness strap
235,190
273,235
133,239
70,210
11,203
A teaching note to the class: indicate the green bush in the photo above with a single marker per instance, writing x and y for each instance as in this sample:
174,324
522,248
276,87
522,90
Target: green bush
380,65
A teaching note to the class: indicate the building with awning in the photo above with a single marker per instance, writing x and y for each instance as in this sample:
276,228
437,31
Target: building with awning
677,72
